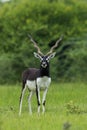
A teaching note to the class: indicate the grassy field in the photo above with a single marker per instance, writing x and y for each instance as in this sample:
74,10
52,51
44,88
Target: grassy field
66,105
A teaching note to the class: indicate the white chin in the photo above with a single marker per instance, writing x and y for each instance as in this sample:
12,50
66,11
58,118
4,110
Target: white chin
44,66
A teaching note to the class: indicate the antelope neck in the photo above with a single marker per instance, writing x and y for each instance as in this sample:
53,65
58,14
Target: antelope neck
44,71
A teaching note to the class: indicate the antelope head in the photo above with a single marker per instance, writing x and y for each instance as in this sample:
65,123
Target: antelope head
45,58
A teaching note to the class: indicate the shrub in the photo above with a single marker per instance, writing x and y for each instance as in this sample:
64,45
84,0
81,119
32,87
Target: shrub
46,22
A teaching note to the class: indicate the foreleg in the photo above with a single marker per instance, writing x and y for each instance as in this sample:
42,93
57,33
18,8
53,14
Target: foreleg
44,100
29,101
38,98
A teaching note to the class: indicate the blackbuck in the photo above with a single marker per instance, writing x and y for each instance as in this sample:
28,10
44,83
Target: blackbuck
38,79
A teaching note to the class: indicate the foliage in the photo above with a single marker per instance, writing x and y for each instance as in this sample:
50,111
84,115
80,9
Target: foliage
46,22
6,71
73,108
72,60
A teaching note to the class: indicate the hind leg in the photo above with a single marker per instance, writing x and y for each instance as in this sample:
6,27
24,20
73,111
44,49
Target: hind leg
21,98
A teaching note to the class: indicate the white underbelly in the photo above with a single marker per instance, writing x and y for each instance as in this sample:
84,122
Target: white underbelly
31,85
42,83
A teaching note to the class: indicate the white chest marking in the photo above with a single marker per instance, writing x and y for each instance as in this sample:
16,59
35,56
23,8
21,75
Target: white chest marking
42,83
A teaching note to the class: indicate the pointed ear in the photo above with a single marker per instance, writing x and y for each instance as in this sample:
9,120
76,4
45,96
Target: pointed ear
37,55
52,55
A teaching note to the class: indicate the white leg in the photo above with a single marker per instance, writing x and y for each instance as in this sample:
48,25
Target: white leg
29,101
44,100
38,99
39,102
21,100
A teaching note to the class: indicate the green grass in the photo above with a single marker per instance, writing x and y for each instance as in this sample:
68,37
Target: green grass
58,96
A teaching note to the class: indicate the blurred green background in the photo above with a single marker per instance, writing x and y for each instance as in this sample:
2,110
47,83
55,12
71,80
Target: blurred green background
46,21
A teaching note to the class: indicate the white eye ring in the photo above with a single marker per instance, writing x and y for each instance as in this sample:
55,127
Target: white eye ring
47,60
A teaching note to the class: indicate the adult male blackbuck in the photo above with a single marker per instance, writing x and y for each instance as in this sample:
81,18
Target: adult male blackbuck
38,79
